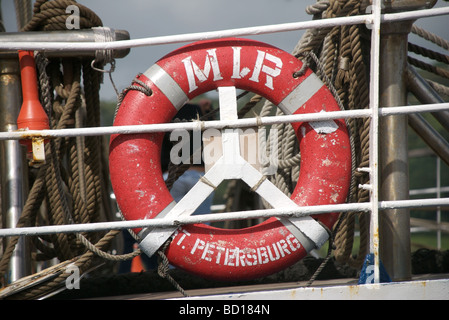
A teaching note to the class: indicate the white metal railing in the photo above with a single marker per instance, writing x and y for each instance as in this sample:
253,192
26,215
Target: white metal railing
437,191
217,217
239,32
220,124
374,20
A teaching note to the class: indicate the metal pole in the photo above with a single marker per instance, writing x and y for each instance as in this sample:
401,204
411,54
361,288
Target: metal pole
432,137
100,34
394,224
426,95
12,165
24,12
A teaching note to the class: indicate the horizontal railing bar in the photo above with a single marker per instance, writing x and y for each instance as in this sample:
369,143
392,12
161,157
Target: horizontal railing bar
420,108
172,39
218,124
194,125
413,203
434,190
218,217
414,15
238,32
430,225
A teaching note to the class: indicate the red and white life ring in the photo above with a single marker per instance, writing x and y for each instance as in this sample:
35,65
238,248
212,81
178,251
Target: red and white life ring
200,67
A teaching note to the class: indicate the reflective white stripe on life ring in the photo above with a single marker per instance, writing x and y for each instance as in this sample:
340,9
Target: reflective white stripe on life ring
301,94
169,87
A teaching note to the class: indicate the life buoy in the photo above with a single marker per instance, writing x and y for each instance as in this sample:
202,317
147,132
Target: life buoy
135,169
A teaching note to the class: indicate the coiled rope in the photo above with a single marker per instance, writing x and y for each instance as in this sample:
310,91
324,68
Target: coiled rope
70,187
442,72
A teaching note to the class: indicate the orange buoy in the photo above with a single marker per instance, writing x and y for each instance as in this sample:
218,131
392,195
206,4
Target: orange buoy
136,263
32,115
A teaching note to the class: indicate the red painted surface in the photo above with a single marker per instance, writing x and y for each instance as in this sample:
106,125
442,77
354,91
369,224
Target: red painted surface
136,172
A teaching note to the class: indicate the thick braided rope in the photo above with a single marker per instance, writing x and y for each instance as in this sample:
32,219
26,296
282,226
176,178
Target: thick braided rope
82,262
61,109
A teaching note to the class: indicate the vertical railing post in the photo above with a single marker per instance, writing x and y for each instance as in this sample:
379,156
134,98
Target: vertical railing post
438,217
12,169
394,224
374,135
